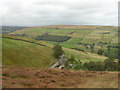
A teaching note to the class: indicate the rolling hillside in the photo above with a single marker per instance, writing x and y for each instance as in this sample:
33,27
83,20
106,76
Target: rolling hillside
92,33
77,37
20,53
42,50
8,29
26,52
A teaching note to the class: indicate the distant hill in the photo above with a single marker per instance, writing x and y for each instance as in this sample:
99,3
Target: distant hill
27,51
8,29
88,34
75,27
38,50
79,37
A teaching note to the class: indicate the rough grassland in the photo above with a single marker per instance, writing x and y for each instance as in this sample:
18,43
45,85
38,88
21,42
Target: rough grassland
83,56
79,34
19,77
89,34
15,52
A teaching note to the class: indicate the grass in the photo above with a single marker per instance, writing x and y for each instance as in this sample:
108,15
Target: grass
83,34
26,54
19,54
32,54
43,55
84,56
71,43
109,80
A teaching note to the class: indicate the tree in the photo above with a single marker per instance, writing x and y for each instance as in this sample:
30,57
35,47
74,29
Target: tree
71,59
94,66
89,65
100,52
74,64
57,51
78,65
108,48
110,65
92,47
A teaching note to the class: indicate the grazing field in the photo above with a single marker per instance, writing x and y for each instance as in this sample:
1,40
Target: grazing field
91,53
84,56
82,37
88,34
75,40
22,49
16,52
19,77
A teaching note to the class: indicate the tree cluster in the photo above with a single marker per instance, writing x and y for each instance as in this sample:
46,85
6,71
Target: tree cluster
8,29
55,38
107,65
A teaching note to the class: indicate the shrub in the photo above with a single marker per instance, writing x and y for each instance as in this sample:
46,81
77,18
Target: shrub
110,65
74,64
92,47
94,66
100,52
71,59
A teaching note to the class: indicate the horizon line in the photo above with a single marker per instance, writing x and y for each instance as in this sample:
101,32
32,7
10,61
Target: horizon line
58,24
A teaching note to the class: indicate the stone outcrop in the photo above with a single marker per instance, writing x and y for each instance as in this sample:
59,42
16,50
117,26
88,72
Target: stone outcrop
60,63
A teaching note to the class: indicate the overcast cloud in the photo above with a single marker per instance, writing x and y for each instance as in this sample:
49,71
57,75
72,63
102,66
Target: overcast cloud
57,12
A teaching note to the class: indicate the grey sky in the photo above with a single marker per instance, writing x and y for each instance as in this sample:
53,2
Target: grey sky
56,12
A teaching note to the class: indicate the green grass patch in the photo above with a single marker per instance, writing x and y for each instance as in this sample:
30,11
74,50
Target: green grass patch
15,52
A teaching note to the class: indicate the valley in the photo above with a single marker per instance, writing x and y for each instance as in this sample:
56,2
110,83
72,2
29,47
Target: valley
91,51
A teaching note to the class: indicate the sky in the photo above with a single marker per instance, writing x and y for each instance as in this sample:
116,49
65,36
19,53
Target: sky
59,12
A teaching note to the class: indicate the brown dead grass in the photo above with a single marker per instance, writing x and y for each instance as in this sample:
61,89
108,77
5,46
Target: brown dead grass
83,27
19,77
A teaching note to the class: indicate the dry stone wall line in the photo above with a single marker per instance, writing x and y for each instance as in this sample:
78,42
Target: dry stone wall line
23,40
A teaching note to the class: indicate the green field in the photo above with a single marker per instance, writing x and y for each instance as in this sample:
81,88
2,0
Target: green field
15,52
79,34
20,52
88,35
